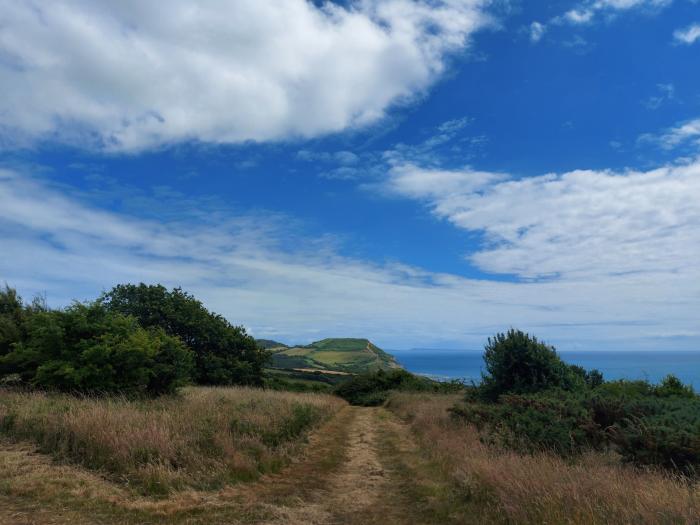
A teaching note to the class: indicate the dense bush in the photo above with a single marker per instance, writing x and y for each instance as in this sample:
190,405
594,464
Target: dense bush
11,318
531,401
373,389
552,421
86,348
517,363
224,354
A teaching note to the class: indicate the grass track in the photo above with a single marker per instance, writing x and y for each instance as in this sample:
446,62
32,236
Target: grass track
360,467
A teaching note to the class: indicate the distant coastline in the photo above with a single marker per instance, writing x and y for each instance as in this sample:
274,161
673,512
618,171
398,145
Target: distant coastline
646,365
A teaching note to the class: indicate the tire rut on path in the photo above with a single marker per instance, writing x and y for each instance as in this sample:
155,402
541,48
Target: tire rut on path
354,488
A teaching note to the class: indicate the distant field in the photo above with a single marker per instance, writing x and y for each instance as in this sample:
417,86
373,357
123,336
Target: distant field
343,355
340,356
296,352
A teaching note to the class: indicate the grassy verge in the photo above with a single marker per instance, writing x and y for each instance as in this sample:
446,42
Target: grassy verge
507,487
203,439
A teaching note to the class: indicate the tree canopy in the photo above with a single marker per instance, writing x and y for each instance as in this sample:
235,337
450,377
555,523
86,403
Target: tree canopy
518,363
85,348
224,354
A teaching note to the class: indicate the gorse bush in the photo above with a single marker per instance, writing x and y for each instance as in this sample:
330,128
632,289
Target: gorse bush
500,485
531,401
224,354
556,422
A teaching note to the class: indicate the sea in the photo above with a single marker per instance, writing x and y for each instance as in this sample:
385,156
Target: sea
652,366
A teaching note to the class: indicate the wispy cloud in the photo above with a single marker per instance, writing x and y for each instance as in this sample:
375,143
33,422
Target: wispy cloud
682,134
448,140
537,31
131,76
588,12
664,93
626,266
688,35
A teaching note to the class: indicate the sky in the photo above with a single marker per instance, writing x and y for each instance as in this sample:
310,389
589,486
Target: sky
423,173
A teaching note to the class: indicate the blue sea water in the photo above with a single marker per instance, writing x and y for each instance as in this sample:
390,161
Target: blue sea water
652,366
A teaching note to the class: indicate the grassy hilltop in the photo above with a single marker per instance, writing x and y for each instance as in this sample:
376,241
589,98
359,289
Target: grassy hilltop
337,355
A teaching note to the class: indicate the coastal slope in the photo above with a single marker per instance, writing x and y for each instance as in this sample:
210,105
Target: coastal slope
348,355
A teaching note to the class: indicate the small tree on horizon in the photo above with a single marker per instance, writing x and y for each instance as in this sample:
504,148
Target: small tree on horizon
518,363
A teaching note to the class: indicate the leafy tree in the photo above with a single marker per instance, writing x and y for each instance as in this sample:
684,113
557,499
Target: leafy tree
86,348
517,363
224,353
11,317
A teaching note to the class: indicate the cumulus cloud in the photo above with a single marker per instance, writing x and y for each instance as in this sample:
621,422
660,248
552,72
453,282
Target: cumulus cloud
138,74
62,243
687,36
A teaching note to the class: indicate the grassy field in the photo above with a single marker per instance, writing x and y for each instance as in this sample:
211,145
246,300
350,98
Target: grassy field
202,439
242,456
505,487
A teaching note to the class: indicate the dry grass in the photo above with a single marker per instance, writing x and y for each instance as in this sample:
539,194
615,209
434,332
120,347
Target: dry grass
507,487
203,439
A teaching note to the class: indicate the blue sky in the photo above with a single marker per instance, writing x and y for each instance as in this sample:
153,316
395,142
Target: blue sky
420,172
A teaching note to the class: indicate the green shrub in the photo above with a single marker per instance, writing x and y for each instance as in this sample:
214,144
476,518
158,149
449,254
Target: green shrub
556,421
372,389
224,354
648,425
517,363
85,348
671,386
530,400
11,318
669,438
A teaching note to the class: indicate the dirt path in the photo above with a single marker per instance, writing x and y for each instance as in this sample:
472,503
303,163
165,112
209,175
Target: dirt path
355,488
361,480
362,467
381,480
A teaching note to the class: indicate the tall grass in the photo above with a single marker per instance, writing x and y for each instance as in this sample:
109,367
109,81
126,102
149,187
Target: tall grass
202,439
508,487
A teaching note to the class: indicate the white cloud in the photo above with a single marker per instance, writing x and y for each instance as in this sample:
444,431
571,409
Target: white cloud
577,16
137,74
586,12
593,225
413,181
585,225
537,31
689,35
681,134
